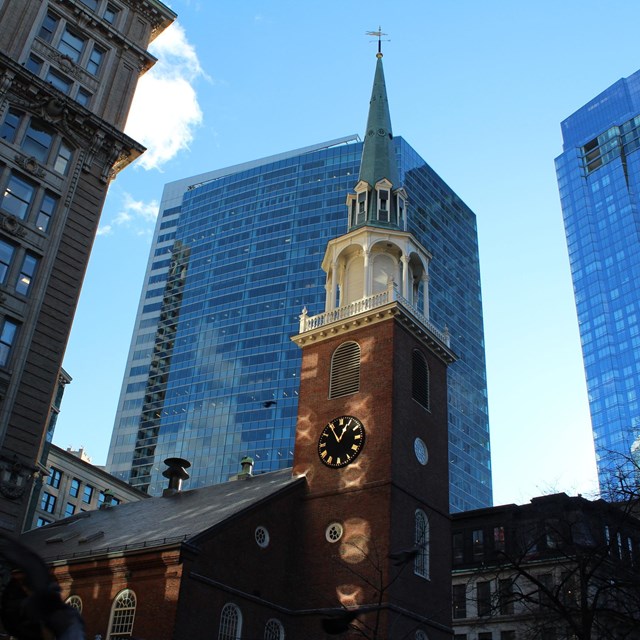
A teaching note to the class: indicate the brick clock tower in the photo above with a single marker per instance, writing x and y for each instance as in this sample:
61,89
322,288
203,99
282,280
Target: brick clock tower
372,434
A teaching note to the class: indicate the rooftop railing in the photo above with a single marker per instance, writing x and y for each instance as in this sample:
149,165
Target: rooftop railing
390,294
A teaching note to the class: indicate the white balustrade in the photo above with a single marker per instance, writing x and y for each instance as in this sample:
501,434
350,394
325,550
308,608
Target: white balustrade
390,294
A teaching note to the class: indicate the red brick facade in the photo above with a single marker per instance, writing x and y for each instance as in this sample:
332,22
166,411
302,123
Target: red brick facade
375,497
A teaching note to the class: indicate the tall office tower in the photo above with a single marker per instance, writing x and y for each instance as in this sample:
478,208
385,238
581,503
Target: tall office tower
69,69
599,180
212,375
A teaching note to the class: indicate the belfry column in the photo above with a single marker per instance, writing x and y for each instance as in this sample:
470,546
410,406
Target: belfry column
368,276
405,276
425,295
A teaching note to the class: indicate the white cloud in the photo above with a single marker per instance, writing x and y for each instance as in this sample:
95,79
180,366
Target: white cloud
165,110
133,214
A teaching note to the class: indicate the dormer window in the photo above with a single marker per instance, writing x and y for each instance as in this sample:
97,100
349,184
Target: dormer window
362,208
383,205
352,205
401,211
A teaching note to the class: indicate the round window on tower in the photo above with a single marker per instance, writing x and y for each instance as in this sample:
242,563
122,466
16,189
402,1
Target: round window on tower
420,449
262,537
334,532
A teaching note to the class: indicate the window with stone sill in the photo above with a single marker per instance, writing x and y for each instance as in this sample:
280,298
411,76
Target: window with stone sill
76,48
459,601
110,13
7,340
48,502
87,494
71,42
18,196
46,211
107,10
74,489
27,201
27,274
37,139
55,475
9,127
7,252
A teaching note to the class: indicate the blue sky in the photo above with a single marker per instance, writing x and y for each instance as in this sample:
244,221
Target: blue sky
477,88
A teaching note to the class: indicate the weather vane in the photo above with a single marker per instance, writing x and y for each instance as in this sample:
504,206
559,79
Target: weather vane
378,34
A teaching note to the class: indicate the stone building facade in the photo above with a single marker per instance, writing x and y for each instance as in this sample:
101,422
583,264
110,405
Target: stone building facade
557,568
68,72
74,485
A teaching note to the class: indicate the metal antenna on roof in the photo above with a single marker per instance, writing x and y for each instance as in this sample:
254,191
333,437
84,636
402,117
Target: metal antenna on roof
378,34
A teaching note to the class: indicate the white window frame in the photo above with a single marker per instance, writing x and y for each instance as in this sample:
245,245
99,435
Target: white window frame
123,613
230,622
273,630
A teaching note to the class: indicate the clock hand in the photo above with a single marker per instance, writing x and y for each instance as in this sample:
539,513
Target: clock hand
335,435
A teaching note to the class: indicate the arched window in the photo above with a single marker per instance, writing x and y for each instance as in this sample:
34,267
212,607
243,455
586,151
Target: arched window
345,370
75,602
421,562
230,622
420,379
273,630
123,612
385,268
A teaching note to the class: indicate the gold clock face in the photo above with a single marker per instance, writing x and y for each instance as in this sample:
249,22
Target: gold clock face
341,441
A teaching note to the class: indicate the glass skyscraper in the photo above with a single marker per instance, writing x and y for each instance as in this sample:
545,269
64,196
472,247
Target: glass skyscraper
599,180
212,375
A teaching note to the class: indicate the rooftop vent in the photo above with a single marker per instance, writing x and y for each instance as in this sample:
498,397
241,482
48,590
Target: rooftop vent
108,499
176,473
247,468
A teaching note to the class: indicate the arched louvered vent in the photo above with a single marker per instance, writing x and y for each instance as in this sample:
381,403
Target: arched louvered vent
345,370
420,379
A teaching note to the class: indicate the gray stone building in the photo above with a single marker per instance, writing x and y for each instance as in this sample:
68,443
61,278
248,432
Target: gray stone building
68,72
75,485
557,568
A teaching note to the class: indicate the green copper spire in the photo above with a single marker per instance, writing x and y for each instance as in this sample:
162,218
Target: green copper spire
378,199
378,158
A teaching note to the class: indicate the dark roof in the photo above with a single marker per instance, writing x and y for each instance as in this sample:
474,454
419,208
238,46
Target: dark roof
157,521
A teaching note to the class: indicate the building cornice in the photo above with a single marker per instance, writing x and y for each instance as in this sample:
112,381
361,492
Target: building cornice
100,140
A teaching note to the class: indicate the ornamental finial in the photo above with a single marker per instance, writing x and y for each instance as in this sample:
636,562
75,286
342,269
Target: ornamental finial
378,34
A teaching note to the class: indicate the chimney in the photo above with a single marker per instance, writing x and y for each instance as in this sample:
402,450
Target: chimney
176,473
108,499
247,468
